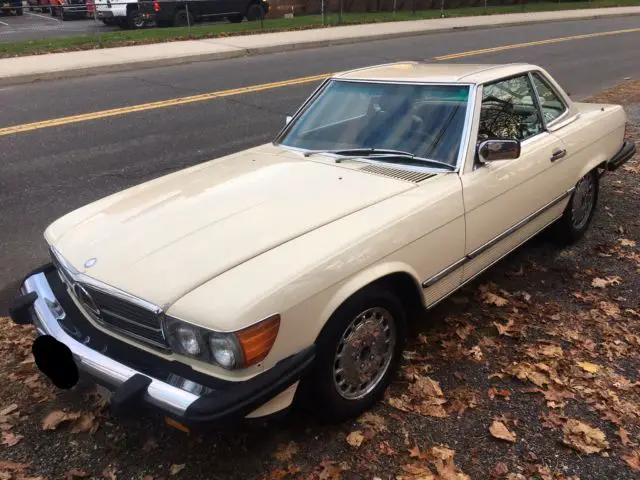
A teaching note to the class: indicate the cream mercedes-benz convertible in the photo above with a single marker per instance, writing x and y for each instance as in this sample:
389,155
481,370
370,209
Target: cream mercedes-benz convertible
223,291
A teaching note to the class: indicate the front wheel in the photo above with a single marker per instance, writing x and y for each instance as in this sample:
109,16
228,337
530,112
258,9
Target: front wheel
358,353
579,211
135,20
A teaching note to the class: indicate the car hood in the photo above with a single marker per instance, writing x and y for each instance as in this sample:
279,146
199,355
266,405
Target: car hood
164,238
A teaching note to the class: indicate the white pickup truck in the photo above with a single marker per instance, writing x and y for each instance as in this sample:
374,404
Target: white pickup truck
124,13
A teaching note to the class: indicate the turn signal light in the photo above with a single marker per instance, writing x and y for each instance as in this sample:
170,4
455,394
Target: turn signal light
256,341
156,6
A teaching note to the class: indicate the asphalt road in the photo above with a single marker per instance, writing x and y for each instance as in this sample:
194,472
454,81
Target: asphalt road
35,25
47,172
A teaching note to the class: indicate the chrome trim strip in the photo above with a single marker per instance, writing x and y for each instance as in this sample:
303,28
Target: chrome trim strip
519,225
466,129
476,275
470,256
545,80
47,313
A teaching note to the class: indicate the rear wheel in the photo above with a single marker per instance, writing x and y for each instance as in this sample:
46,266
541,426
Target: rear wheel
135,19
358,352
579,211
182,18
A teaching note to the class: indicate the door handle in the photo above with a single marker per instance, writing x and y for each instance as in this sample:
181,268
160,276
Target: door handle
558,154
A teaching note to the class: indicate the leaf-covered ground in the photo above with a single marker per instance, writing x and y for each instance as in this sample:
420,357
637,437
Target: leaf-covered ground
531,372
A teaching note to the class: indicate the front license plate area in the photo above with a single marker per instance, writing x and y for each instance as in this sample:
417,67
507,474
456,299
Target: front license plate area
55,360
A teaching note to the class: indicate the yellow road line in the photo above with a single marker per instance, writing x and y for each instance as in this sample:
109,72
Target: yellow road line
56,122
472,53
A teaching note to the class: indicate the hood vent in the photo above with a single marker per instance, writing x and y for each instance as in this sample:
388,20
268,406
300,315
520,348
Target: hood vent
400,174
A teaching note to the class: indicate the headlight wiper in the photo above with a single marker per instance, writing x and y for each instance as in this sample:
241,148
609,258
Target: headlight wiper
384,154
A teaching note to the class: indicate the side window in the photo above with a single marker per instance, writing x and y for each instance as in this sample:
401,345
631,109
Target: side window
551,104
509,111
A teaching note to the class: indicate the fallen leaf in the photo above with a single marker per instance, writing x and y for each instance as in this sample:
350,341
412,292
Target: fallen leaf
584,438
110,474
10,409
505,329
633,460
76,473
500,431
147,477
13,466
605,282
86,423
386,449
417,471
589,367
150,444
355,438
624,436
286,451
330,471
425,387
176,468
494,392
493,299
10,439
373,421
55,418
625,242
499,470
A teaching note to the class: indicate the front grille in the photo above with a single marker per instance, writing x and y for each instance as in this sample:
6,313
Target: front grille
127,317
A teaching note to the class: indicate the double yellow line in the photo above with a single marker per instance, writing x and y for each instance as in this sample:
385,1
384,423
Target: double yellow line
56,122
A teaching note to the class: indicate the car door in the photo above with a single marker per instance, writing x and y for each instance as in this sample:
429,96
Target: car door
508,201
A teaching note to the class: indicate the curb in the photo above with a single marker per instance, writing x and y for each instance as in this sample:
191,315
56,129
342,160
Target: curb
242,52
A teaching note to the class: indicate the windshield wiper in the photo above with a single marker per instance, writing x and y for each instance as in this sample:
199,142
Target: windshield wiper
382,153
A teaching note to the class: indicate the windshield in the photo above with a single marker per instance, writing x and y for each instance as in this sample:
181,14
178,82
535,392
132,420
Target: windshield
424,120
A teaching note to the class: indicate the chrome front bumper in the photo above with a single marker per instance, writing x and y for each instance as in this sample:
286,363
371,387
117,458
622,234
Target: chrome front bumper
202,400
47,313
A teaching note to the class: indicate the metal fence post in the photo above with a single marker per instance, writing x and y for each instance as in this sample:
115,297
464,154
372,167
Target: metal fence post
186,6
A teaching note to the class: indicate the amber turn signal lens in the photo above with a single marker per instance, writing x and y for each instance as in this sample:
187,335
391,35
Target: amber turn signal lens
257,340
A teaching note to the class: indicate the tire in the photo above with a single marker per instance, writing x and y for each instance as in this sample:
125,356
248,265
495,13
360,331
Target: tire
579,212
237,18
20,11
182,18
254,12
329,387
135,20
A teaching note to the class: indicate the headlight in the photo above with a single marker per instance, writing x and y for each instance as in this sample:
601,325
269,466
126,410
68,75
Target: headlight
233,350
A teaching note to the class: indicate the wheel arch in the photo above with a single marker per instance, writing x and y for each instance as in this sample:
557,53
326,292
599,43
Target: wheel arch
398,278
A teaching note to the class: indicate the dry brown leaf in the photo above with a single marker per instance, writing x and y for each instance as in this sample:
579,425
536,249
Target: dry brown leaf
150,444
10,439
625,242
13,466
605,282
429,410
500,431
76,473
425,387
385,449
10,409
373,421
355,438
286,451
493,299
110,474
494,392
417,471
147,477
499,470
506,329
584,438
624,436
87,422
633,460
330,471
177,468
55,418
589,367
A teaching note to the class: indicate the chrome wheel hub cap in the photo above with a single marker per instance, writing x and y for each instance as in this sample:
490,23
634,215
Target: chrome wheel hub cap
364,353
582,202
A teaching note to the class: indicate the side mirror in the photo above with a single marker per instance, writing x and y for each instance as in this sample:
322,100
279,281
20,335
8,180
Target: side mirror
287,119
493,150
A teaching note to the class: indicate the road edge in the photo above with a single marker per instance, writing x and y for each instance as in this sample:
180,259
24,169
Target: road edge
244,52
